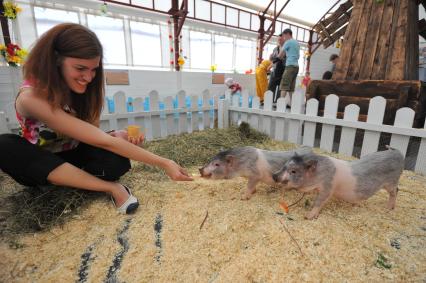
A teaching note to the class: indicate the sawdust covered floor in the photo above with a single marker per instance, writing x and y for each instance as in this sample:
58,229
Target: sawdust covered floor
240,241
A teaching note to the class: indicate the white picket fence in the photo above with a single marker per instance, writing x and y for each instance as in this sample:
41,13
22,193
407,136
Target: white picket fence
155,123
299,124
158,123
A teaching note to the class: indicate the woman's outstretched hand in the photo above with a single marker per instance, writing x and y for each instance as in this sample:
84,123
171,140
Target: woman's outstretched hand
176,173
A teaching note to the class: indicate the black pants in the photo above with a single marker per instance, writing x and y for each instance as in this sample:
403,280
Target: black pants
30,165
274,83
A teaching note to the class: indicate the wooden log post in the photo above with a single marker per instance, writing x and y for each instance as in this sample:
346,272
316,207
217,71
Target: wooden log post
380,42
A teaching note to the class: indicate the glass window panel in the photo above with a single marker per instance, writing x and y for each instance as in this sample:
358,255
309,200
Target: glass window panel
300,34
223,51
202,10
243,54
163,5
232,17
143,3
47,18
307,36
267,24
255,24
218,13
277,28
146,44
245,20
191,8
111,34
285,26
200,50
267,51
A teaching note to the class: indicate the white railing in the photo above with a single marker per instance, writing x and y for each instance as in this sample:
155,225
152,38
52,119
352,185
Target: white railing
299,124
174,117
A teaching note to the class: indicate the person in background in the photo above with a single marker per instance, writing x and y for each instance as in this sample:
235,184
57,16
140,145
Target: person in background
277,69
262,79
327,75
306,80
58,107
334,58
290,49
233,86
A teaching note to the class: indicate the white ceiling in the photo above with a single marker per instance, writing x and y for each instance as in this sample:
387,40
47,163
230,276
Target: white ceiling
307,12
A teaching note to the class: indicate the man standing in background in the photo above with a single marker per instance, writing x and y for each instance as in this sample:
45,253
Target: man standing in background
291,49
278,69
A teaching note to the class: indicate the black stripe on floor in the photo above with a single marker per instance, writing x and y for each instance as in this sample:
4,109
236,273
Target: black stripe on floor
158,226
116,263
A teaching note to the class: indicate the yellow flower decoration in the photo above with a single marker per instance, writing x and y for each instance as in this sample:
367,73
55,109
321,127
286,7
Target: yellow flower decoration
11,10
213,68
21,53
13,54
181,61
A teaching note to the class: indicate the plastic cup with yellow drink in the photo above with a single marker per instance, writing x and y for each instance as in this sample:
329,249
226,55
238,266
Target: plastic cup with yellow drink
133,131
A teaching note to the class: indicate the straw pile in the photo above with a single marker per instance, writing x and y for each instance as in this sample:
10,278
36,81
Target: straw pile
201,231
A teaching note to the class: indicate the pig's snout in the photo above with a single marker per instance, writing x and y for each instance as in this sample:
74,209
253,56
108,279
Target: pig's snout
275,177
203,174
278,178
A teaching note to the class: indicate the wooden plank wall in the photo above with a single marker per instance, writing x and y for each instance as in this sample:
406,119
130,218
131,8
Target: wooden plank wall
380,42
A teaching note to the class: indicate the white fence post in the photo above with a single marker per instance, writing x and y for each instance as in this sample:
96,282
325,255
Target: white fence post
155,118
3,124
376,113
347,137
327,132
223,114
280,123
182,124
105,107
120,108
404,119
170,119
310,127
206,113
254,118
194,113
245,105
295,126
421,157
138,103
267,106
234,114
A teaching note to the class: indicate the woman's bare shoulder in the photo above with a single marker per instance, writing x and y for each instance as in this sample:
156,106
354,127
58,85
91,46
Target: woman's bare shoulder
27,100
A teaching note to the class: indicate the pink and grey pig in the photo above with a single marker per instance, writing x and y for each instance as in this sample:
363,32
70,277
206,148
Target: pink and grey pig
350,181
255,164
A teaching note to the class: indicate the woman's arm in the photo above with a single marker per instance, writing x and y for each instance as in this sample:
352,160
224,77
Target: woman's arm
70,126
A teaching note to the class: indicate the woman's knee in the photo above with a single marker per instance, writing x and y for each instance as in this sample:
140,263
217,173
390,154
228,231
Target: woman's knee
116,167
110,167
8,140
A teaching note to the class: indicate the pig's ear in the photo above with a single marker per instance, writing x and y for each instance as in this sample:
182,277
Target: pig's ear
230,159
311,165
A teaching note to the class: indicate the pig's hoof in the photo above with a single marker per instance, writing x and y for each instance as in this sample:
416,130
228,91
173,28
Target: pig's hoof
391,206
246,197
311,215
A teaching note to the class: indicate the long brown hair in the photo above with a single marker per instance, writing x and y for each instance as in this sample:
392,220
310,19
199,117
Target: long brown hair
43,69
